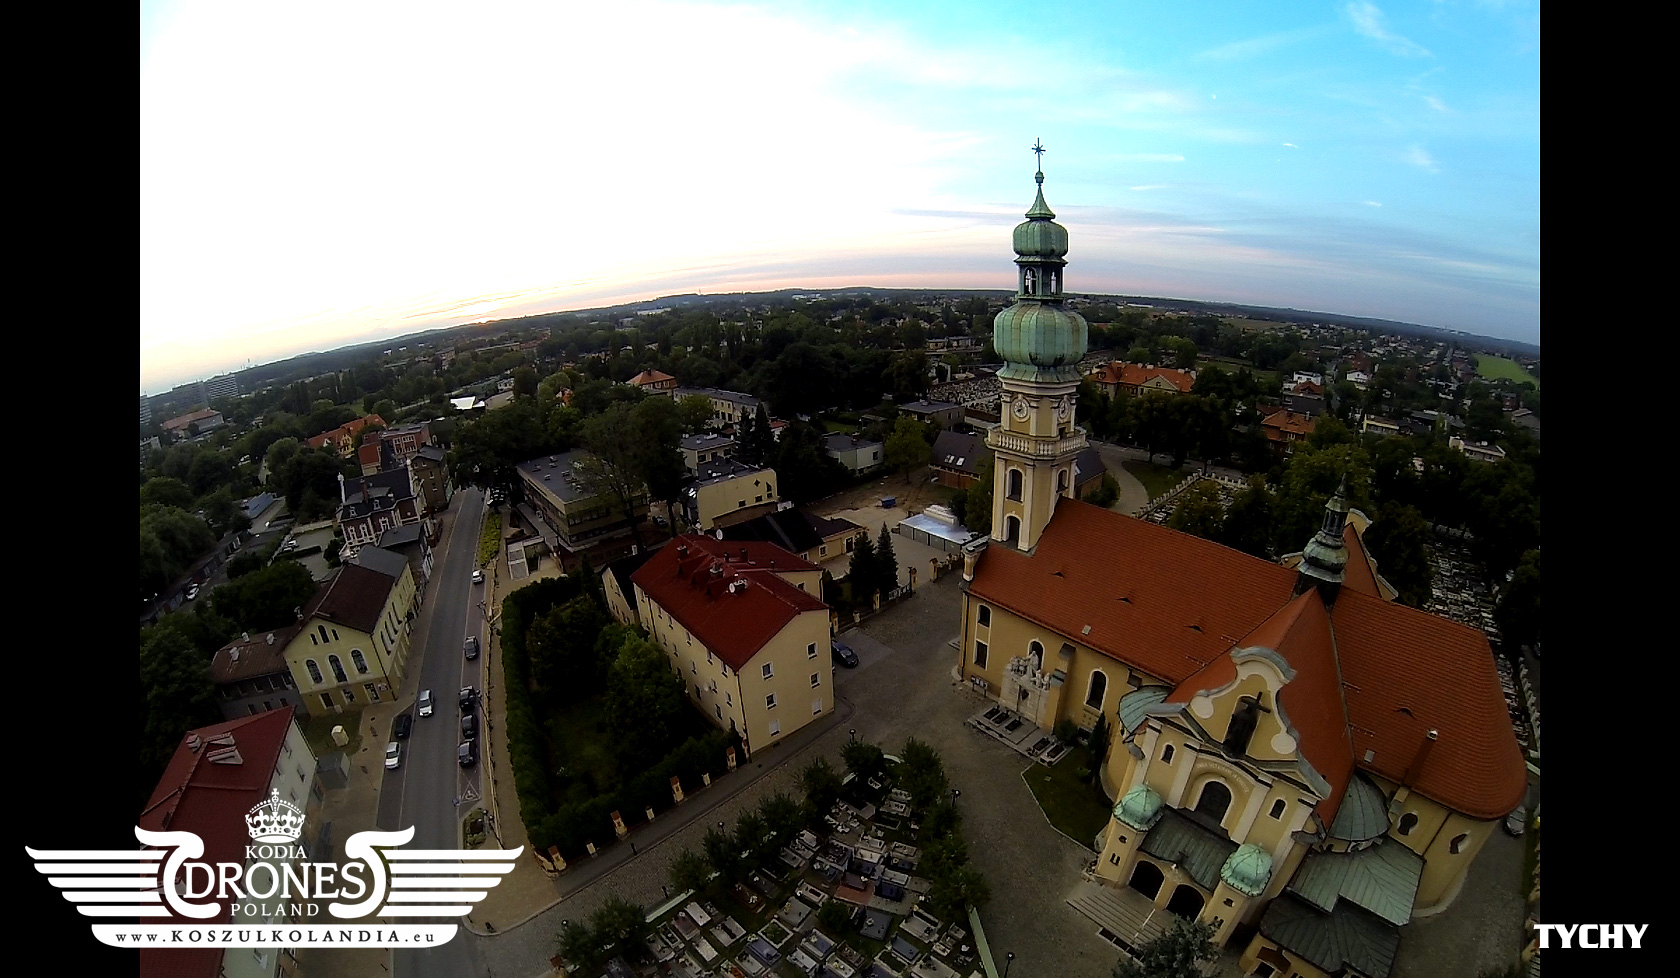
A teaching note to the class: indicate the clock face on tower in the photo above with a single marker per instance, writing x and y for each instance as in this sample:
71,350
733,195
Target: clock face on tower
1063,409
1021,408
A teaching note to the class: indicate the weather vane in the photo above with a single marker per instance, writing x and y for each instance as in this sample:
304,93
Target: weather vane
1038,148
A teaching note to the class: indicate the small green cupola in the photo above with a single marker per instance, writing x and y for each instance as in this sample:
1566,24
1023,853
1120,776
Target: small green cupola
1248,870
1140,807
1324,561
1038,339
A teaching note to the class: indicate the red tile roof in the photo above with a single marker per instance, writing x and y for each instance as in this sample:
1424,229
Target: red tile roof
651,377
199,795
349,429
1359,576
1288,421
1134,374
1169,604
727,594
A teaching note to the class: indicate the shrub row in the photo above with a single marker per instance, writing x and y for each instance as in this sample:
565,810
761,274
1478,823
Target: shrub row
527,747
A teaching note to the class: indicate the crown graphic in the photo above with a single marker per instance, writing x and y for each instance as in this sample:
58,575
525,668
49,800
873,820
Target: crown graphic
275,820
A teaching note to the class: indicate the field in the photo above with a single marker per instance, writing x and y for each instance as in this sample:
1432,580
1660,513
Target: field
1157,479
1499,368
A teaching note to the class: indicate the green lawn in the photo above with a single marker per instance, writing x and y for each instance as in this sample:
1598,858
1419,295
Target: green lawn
1157,479
490,539
833,427
1500,368
318,731
580,736
1078,810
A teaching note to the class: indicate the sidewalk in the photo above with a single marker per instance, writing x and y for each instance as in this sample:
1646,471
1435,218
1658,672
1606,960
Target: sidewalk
355,807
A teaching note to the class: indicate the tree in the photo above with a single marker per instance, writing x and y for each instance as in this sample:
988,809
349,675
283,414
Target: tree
645,704
723,852
178,696
164,491
1199,511
979,501
1399,541
835,917
862,574
886,562
1248,522
1518,611
1099,747
921,773
620,926
953,894
782,815
581,948
613,468
822,787
695,413
560,646
1308,482
863,759
265,599
1178,953
907,449
525,382
1107,493
689,871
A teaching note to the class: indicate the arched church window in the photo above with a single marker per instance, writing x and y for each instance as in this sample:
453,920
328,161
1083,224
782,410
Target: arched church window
1061,480
1098,688
1408,822
314,671
1015,483
1166,754
337,668
1012,529
1028,282
1458,843
1277,808
1035,651
985,615
1215,800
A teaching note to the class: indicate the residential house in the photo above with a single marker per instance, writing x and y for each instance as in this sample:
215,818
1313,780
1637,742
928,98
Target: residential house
391,448
729,408
726,491
745,629
698,450
620,591
1088,471
415,546
942,413
957,459
654,382
858,455
197,422
1285,428
1527,420
799,531
577,510
251,676
219,775
353,647
373,504
1117,377
1479,451
1301,402
344,438
1312,377
1379,426
429,476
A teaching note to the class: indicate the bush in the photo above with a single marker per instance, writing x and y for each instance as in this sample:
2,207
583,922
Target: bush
835,917
1067,731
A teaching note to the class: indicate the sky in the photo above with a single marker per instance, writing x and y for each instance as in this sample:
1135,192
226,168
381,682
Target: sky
314,175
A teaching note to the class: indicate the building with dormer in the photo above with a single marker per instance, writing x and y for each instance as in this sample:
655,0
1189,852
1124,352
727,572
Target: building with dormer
353,646
1294,759
746,629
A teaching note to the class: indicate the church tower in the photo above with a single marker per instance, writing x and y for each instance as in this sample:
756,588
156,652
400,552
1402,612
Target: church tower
1041,343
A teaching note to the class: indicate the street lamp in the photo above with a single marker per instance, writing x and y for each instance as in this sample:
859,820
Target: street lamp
1008,959
955,792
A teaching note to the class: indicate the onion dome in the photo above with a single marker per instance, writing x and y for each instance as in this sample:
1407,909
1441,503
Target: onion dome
1248,870
1140,807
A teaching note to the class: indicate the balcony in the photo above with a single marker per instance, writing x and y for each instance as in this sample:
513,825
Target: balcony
1008,441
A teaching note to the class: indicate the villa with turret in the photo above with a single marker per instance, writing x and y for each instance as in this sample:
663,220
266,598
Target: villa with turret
1294,758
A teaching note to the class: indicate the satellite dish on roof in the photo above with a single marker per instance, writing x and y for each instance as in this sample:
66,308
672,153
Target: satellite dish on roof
718,532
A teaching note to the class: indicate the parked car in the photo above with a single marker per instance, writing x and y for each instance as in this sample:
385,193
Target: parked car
469,726
1517,821
478,576
400,727
467,753
472,647
192,592
469,696
660,521
393,755
843,654
425,702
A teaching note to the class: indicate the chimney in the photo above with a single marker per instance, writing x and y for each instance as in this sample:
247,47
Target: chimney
341,496
271,638
245,636
233,655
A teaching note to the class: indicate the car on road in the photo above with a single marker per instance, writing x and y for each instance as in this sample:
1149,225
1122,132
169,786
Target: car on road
478,576
401,726
192,592
425,702
660,521
1517,821
393,755
467,753
472,647
843,653
469,727
469,696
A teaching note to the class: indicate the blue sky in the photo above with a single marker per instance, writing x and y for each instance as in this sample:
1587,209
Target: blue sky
319,174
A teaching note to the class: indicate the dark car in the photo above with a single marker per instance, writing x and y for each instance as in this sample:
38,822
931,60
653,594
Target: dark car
469,696
472,646
843,654
401,725
469,727
467,753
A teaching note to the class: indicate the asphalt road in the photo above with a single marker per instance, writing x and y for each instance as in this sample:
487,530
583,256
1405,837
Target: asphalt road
424,791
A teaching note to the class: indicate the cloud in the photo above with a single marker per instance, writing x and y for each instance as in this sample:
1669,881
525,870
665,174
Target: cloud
1370,21
1292,145
1436,104
1152,186
1254,46
1371,203
1419,157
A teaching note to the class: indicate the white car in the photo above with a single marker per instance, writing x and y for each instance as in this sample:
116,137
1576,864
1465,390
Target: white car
192,592
478,576
425,702
393,755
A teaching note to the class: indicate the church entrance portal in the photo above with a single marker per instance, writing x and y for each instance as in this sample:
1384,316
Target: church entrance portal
1147,879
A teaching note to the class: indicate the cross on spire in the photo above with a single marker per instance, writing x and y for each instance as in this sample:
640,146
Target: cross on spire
1038,150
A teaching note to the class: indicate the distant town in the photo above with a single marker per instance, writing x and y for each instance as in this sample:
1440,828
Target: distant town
875,632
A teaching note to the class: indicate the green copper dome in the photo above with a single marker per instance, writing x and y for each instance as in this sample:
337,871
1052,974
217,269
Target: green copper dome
1037,338
1140,807
1040,237
1248,870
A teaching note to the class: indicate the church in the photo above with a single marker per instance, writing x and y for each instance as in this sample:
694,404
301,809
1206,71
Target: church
1294,758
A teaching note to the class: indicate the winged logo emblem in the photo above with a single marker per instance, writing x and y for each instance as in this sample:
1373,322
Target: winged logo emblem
126,882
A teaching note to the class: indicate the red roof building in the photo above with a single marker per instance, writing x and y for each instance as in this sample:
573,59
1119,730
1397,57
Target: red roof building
654,382
1285,428
1133,378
